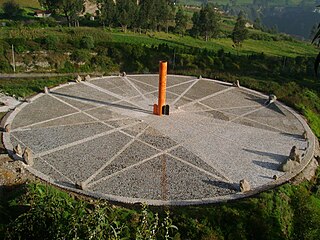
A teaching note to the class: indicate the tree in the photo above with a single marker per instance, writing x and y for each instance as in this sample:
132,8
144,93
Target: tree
147,14
107,12
240,32
316,40
50,5
165,13
313,31
233,2
155,14
206,24
70,8
181,21
126,13
11,9
195,30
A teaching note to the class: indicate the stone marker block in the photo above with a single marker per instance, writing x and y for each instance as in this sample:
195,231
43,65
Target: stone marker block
87,78
27,156
78,79
81,185
272,99
244,185
295,155
289,166
7,128
236,84
46,90
305,135
18,150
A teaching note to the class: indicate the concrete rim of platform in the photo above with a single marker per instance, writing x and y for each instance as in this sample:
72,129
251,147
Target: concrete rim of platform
287,177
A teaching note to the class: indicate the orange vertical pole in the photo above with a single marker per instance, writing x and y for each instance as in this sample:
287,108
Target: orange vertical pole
162,86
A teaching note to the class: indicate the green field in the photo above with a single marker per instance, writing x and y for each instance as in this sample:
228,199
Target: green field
24,3
246,2
272,48
35,3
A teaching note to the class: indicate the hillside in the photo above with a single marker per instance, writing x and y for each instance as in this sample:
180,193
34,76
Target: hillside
25,3
270,63
278,3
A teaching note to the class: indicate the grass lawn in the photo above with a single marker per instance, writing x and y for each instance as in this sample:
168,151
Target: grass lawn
25,3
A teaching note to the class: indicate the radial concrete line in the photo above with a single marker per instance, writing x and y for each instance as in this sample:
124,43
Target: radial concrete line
83,140
164,178
264,124
65,125
114,157
27,127
133,165
182,83
60,173
185,91
206,97
231,108
175,85
221,110
118,119
80,100
135,87
24,145
139,140
89,115
111,94
148,93
222,177
100,89
247,113
150,85
155,91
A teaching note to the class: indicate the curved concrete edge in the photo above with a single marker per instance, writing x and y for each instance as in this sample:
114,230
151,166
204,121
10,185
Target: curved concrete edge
283,179
63,85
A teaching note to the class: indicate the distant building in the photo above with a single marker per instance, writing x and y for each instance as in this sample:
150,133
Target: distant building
249,25
42,13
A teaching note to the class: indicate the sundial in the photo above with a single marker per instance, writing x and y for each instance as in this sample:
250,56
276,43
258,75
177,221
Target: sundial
103,134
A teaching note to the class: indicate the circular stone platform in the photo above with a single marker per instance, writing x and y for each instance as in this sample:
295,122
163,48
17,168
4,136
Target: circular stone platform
102,133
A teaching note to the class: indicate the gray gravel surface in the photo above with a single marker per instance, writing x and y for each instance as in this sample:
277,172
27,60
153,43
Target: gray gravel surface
103,132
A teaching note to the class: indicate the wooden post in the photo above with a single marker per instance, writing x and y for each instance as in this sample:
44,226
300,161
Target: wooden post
162,86
13,59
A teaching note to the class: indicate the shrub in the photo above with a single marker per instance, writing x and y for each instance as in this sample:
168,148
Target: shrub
18,43
80,56
87,42
53,214
11,9
48,22
51,42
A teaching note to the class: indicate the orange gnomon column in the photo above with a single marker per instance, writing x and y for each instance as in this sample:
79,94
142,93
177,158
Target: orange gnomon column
157,109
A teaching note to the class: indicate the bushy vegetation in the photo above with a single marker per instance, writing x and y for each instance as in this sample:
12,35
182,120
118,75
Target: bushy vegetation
43,212
289,212
38,211
27,87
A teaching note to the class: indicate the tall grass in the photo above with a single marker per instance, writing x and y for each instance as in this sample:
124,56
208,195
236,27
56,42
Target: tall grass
53,214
